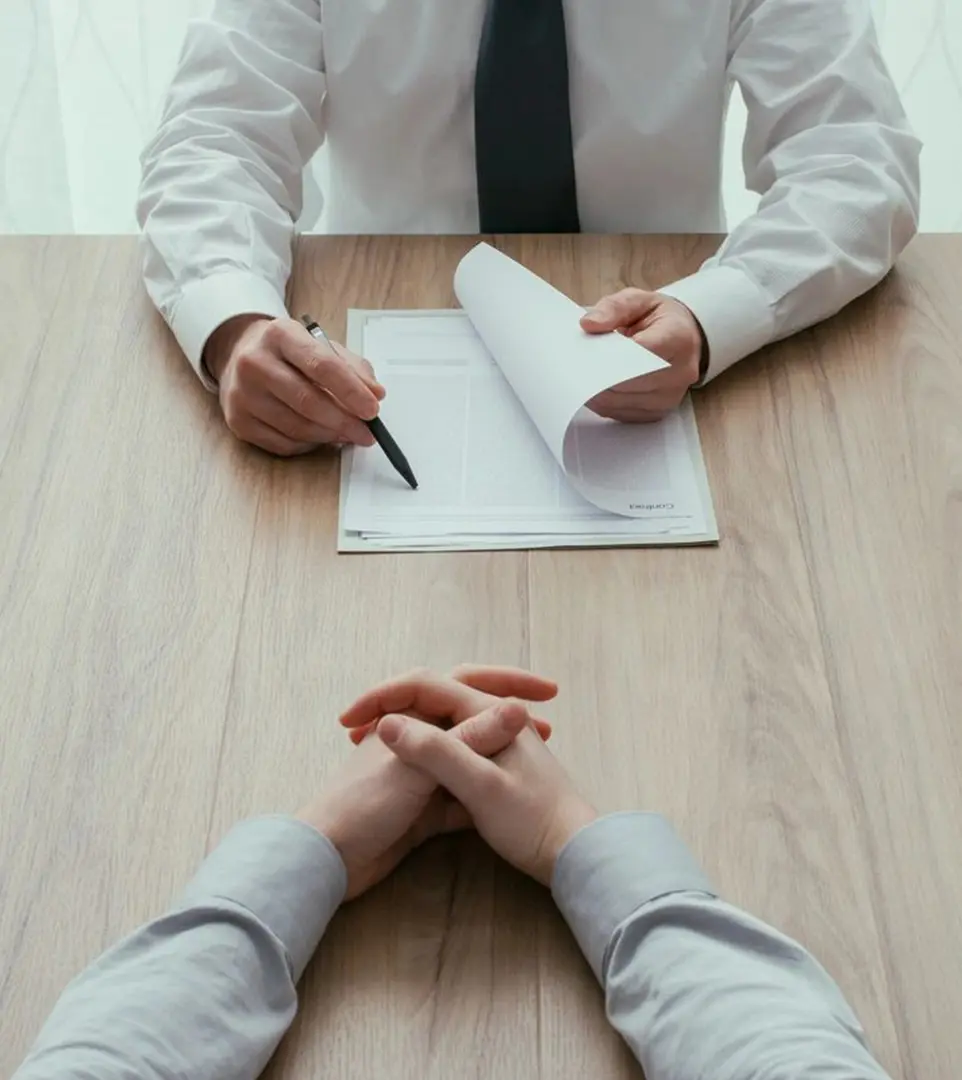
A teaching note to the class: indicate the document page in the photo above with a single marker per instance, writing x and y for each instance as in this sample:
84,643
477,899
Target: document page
487,477
555,368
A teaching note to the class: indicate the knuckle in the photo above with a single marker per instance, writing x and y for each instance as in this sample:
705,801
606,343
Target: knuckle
246,365
470,731
275,333
323,367
305,402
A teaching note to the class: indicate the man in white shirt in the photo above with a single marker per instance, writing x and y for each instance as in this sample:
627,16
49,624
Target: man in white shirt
543,116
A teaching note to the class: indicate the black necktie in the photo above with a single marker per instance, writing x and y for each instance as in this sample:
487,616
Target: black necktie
522,120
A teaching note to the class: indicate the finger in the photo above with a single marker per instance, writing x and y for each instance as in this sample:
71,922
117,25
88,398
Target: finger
288,385
336,372
316,417
369,375
619,309
493,730
419,691
282,418
633,416
666,378
506,682
437,697
637,407
470,778
627,415
661,339
542,727
270,439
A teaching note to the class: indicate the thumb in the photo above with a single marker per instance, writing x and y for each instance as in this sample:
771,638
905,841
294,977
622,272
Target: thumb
494,729
448,761
601,319
616,311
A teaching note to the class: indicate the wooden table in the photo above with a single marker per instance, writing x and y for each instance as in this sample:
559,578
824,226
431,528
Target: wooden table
177,634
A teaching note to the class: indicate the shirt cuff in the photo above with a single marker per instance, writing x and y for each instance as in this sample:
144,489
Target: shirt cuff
732,310
287,874
207,304
614,866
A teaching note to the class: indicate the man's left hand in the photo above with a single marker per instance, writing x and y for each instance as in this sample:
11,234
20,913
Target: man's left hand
663,326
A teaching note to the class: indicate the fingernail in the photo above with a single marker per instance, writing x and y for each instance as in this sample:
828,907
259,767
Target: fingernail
512,716
363,405
390,729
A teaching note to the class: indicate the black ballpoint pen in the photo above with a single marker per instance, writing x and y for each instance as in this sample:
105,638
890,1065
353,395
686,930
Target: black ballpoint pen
376,426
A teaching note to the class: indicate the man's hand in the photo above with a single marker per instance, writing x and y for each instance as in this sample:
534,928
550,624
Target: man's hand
286,392
663,326
522,802
447,700
378,809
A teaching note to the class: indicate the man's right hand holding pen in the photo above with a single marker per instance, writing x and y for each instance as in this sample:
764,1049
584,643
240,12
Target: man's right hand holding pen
286,392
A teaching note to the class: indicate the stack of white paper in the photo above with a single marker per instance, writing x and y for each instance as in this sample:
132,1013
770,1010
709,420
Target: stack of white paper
488,406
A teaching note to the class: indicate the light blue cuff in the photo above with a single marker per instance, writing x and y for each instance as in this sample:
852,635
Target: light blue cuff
614,866
285,873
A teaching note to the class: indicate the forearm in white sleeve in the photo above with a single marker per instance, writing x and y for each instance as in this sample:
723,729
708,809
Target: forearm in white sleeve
222,178
830,151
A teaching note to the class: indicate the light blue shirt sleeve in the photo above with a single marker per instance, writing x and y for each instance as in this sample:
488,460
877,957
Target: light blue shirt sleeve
207,990
696,987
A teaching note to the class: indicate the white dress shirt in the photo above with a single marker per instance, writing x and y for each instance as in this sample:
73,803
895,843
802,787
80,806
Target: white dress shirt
389,85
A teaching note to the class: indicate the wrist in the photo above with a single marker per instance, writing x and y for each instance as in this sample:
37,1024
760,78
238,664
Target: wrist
572,816
223,341
697,346
704,355
322,818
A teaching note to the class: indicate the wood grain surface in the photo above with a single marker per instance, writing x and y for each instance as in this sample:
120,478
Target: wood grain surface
177,634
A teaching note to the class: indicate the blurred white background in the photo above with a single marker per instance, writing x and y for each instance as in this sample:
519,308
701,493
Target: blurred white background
82,81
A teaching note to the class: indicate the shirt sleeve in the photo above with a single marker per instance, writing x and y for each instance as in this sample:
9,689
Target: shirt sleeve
830,151
207,990
695,986
222,180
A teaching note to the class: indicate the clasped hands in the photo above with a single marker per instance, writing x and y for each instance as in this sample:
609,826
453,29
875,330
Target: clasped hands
441,753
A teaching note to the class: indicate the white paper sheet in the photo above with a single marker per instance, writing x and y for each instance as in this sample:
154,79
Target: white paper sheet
487,478
555,368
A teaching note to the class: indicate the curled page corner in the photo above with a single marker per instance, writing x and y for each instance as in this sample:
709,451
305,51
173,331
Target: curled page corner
534,333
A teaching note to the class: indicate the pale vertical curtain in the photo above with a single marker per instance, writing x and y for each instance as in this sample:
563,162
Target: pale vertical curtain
82,81
34,181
